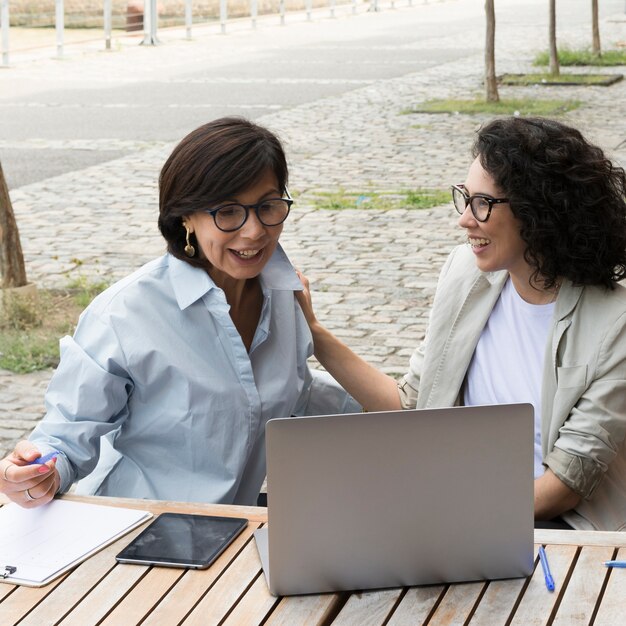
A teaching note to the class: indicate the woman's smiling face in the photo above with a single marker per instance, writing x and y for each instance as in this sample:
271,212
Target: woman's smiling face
496,243
243,253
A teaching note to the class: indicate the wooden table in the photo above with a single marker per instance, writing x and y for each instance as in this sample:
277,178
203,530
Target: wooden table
233,590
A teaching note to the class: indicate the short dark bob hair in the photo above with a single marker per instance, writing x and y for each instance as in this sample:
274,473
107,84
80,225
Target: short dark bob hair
569,197
214,163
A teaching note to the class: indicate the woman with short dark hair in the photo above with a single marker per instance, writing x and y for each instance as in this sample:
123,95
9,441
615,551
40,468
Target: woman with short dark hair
164,390
529,311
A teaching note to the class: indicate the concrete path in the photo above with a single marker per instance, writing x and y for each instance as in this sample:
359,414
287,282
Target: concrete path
373,272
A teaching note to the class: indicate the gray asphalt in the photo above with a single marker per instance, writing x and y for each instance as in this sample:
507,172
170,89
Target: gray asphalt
82,141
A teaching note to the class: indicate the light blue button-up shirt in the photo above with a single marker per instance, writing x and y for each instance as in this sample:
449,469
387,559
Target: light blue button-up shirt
156,396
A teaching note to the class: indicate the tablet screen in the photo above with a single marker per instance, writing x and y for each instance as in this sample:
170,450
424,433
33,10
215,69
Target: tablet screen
182,540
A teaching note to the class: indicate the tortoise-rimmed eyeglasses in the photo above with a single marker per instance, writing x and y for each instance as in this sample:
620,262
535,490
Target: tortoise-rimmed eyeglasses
479,203
233,215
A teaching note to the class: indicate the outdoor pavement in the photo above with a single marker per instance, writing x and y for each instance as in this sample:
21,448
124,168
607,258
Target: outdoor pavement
373,273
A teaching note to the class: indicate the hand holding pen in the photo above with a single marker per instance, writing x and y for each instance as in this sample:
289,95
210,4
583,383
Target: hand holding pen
28,478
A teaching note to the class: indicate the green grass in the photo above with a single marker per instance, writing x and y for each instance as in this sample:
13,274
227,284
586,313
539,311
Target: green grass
568,57
408,199
517,106
560,79
30,329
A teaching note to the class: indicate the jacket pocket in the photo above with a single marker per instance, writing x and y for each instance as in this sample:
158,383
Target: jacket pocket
568,377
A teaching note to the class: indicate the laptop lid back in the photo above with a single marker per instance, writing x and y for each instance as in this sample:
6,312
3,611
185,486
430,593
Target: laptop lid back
388,499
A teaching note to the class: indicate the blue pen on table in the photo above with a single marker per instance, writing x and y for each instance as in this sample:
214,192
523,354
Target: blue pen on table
546,569
45,458
615,563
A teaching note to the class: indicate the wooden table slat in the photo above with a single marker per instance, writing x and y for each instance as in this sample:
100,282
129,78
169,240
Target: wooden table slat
231,585
144,596
113,587
254,606
370,608
457,603
613,608
416,605
537,603
77,584
498,601
23,599
194,583
584,587
313,610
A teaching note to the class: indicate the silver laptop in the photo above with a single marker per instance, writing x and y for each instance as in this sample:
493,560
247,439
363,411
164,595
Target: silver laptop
372,500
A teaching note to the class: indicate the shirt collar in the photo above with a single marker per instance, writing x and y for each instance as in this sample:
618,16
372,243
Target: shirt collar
191,283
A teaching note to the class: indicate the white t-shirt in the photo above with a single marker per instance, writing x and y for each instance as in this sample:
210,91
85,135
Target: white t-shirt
507,365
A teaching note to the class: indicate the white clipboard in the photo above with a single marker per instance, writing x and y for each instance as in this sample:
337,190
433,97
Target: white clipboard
38,545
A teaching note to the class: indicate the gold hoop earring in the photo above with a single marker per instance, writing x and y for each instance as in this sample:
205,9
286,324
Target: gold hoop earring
190,251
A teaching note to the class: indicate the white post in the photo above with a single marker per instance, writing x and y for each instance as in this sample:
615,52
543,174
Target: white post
107,24
150,17
332,8
309,8
188,18
4,25
223,15
354,7
254,11
59,25
281,9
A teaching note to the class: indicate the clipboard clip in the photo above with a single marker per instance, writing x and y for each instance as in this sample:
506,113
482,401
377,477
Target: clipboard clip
9,570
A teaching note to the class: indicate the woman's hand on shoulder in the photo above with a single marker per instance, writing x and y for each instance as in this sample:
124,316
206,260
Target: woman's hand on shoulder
305,301
28,485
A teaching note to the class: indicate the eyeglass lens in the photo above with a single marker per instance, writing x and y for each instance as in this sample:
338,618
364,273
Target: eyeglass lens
270,213
479,206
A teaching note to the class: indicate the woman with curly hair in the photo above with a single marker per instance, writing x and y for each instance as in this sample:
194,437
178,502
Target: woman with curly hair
529,311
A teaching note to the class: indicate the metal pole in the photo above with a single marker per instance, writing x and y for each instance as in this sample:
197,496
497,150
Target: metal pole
59,25
254,11
188,18
281,8
150,32
4,24
309,8
107,24
223,15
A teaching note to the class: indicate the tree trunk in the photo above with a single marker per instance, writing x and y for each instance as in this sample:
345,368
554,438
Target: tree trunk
595,29
491,84
12,270
555,70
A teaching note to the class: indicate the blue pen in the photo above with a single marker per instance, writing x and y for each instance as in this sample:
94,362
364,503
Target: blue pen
546,569
44,459
615,563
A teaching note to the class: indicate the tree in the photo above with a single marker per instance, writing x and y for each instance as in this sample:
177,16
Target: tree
491,84
595,29
12,269
555,70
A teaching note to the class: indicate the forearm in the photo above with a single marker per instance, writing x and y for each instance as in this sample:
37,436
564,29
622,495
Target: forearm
553,497
372,389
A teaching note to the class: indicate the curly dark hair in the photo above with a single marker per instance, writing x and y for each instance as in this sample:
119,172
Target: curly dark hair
569,197
215,162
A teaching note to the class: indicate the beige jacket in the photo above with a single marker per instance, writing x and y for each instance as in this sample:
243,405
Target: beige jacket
584,381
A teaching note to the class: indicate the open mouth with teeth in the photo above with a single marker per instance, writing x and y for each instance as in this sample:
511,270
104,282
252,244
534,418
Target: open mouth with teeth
246,254
478,243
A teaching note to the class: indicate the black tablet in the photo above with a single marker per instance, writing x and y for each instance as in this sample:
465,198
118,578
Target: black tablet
182,540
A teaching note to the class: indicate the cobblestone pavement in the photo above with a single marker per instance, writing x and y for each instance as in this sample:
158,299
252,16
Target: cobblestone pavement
373,273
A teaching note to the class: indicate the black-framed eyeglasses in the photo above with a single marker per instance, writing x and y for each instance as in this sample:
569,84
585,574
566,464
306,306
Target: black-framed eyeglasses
480,204
270,212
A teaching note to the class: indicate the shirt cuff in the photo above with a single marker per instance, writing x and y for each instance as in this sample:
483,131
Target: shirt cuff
580,474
